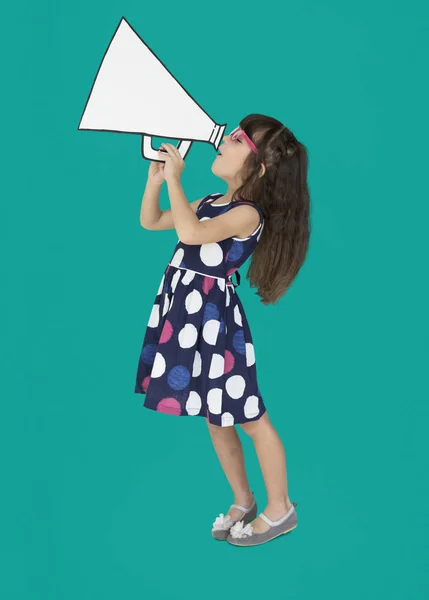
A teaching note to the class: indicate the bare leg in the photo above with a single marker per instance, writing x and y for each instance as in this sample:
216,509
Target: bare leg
229,450
272,460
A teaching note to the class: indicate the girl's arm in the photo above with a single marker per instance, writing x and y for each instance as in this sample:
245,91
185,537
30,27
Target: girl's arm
150,211
242,220
162,219
151,216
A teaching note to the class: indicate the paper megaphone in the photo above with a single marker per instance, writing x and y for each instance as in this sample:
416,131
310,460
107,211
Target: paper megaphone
133,92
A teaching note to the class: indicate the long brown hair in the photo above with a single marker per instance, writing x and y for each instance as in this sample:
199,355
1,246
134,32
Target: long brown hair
282,194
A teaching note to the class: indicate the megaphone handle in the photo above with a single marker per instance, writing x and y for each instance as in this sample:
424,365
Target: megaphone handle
183,147
149,152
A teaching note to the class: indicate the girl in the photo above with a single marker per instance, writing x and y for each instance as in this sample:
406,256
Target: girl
197,357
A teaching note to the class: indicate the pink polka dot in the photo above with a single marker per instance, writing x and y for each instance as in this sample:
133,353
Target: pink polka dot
226,257
167,332
208,283
145,383
170,406
229,361
231,271
167,269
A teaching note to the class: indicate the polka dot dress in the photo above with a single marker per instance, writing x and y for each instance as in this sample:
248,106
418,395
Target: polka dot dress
197,357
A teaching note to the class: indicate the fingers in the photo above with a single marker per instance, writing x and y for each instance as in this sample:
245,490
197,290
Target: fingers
171,149
164,152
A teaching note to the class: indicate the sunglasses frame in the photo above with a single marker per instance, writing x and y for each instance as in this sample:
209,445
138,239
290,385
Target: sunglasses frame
238,132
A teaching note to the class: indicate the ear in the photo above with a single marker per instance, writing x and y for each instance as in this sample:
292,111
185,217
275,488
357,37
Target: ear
262,170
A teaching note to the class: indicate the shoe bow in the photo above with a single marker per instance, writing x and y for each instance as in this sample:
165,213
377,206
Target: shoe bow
239,530
222,522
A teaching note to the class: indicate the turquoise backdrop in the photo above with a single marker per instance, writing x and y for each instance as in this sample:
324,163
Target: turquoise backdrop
104,499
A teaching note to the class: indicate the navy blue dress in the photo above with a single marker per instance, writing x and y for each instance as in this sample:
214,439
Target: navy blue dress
197,357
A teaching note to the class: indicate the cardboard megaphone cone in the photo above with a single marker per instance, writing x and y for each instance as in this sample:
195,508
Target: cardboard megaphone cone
133,92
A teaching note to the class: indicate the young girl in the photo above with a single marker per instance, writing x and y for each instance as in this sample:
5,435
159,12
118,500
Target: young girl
197,357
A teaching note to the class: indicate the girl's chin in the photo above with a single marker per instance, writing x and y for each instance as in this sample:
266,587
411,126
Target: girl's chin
216,172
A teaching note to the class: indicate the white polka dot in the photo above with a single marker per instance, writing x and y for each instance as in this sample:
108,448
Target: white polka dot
221,283
211,254
177,258
237,315
171,301
204,218
154,316
228,297
193,301
217,365
260,232
196,369
188,277
166,303
175,279
250,354
235,386
187,336
158,367
214,401
210,331
251,407
227,419
160,285
193,403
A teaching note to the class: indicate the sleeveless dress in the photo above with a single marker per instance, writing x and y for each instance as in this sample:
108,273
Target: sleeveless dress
197,357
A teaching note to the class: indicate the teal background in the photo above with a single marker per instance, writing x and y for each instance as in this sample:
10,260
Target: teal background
105,499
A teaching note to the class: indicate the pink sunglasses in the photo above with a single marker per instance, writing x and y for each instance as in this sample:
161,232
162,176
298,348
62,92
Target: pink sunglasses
238,132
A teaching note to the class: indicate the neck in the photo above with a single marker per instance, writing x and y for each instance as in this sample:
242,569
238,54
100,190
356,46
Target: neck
228,194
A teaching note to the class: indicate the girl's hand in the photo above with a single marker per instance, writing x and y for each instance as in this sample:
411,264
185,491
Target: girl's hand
156,172
174,163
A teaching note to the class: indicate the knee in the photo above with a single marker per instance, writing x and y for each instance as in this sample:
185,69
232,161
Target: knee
251,428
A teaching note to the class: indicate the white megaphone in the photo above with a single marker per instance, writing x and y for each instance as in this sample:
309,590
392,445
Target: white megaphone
133,92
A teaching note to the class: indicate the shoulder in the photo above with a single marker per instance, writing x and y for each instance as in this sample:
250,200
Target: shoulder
250,215
250,208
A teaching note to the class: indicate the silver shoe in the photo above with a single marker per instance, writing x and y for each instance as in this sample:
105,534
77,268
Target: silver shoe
242,534
223,523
